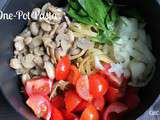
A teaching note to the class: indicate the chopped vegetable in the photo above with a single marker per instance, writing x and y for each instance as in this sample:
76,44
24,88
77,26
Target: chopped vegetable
40,105
40,85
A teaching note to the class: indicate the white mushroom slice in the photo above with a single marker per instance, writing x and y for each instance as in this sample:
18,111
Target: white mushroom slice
46,27
65,44
25,77
35,72
35,13
19,45
45,58
27,61
15,63
52,33
26,33
18,38
45,7
46,40
59,53
34,27
39,51
38,61
60,37
36,41
28,40
67,20
85,44
61,28
49,69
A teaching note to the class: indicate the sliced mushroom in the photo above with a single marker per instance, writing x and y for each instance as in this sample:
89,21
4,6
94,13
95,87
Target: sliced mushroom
61,28
34,27
67,20
27,61
36,42
45,58
38,61
26,33
27,40
15,63
52,33
25,77
59,53
60,37
39,51
35,13
66,45
52,54
49,69
19,43
46,27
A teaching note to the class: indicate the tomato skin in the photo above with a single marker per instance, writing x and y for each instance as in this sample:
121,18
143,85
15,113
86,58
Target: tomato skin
56,114
116,107
81,106
99,103
72,100
90,113
74,75
62,68
98,85
68,115
40,105
37,85
82,88
58,102
113,94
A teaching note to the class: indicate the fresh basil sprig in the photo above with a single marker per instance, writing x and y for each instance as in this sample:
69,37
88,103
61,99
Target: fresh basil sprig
97,13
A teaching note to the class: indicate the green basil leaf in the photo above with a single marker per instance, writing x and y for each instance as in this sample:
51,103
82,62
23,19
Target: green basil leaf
95,9
85,20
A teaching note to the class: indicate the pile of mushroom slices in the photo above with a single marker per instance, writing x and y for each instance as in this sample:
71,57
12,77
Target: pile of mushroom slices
44,42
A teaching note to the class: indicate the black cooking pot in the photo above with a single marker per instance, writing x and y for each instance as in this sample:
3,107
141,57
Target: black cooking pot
9,82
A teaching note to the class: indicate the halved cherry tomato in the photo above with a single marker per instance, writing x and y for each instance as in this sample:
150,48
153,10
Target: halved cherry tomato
37,85
58,102
113,94
56,114
68,115
116,107
98,85
113,79
74,75
81,106
90,113
72,100
82,88
131,100
99,103
40,105
62,68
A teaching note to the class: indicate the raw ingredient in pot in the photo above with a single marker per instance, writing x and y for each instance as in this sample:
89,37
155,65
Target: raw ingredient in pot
81,64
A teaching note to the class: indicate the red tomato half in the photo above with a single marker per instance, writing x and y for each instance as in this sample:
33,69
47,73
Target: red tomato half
113,79
82,88
90,113
74,75
113,95
56,114
40,105
72,100
99,103
69,116
62,68
81,106
117,108
37,85
98,85
58,102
